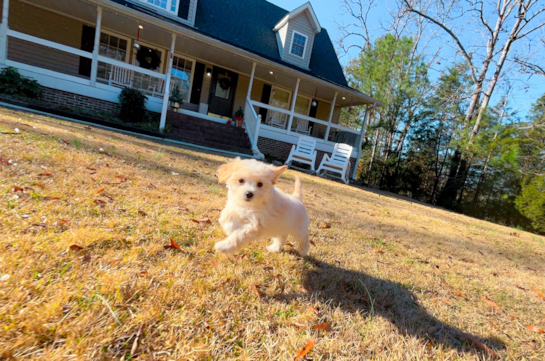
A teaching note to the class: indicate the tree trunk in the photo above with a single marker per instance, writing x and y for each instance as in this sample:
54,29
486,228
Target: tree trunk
372,156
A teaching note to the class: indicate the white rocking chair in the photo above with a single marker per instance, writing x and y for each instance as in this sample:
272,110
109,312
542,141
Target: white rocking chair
121,77
301,126
304,152
339,162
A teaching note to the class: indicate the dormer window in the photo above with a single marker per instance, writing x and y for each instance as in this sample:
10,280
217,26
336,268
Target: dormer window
298,44
168,5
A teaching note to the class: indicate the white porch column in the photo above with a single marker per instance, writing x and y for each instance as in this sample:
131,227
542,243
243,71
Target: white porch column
293,105
167,85
331,116
360,139
251,82
96,46
4,33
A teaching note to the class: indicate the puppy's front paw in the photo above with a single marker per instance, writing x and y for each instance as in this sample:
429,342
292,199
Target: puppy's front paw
224,247
303,249
274,247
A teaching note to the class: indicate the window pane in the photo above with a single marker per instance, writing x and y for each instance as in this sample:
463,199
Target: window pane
298,46
122,44
104,38
302,105
280,99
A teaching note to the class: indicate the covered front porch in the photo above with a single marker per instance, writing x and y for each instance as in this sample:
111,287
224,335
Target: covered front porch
98,47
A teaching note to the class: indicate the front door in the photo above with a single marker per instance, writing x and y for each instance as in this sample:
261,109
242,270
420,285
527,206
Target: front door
222,92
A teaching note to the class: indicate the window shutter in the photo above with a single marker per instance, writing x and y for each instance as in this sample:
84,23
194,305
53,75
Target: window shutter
87,44
265,97
197,83
183,10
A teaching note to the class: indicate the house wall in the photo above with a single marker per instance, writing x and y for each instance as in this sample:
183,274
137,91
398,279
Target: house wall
29,19
301,24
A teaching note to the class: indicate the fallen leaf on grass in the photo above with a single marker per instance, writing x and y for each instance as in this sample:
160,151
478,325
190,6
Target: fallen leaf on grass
142,213
75,247
514,234
143,272
467,260
256,291
535,329
172,245
458,293
521,288
323,326
446,301
17,189
324,225
100,191
314,310
437,269
494,325
312,243
479,344
491,303
539,294
204,220
378,250
99,202
306,349
513,315
44,175
63,220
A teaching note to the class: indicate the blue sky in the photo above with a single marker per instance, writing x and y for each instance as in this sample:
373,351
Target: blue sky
524,92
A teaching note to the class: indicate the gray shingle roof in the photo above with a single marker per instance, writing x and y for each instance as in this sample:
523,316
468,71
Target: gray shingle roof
248,24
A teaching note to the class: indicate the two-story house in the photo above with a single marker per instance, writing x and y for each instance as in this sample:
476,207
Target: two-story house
279,66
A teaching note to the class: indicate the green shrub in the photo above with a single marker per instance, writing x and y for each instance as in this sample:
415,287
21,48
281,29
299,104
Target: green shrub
13,83
176,94
133,106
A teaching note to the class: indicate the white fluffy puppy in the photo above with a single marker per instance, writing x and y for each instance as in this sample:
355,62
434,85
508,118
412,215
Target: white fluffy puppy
257,209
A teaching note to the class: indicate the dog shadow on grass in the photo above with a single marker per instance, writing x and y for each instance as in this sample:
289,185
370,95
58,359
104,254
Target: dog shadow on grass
357,292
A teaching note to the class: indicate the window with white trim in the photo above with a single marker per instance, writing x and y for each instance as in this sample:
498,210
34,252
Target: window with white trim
298,44
113,47
182,74
168,5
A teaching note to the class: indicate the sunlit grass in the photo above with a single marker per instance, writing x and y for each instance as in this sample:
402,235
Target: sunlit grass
382,276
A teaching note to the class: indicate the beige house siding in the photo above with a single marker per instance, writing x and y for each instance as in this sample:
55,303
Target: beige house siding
242,92
29,19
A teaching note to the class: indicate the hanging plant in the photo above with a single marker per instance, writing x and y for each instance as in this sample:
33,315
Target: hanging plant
148,58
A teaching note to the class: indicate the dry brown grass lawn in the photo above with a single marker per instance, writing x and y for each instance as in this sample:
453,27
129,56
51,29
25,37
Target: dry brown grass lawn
395,280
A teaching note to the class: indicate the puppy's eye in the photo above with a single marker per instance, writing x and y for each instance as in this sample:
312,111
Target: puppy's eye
260,184
241,181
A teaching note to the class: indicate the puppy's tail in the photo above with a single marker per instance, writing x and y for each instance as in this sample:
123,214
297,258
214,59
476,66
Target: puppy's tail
298,191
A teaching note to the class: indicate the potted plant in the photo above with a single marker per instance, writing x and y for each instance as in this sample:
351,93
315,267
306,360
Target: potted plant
176,97
239,116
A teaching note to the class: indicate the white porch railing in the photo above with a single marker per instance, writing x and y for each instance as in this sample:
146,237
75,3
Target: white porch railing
252,122
324,131
125,75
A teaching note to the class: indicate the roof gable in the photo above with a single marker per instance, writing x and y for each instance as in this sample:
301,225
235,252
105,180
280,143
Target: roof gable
305,8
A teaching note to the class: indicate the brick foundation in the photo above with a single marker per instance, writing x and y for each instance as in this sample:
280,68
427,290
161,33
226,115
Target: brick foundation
279,149
62,100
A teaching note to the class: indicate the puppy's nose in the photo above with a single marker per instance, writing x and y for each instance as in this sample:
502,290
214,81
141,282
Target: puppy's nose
249,195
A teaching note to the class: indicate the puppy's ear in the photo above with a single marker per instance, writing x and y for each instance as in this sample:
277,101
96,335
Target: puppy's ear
225,171
277,171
